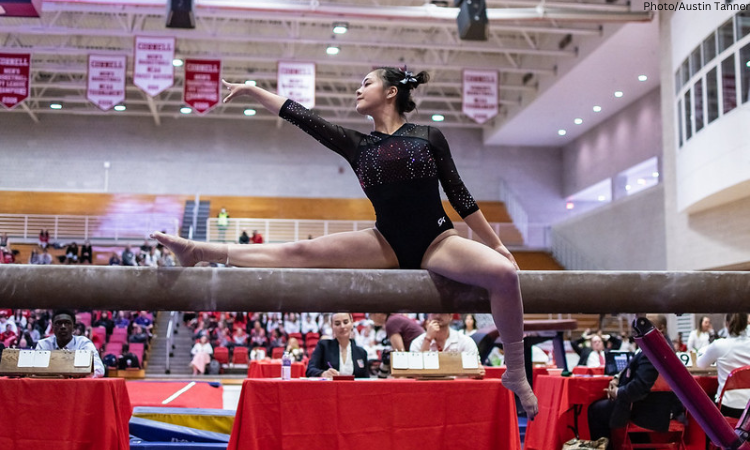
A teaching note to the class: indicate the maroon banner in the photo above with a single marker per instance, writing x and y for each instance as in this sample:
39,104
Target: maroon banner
202,84
20,8
14,78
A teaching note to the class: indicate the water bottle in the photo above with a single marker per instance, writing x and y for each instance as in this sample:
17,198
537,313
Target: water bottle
286,366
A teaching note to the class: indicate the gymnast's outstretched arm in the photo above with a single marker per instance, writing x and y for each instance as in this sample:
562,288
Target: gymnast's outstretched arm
270,101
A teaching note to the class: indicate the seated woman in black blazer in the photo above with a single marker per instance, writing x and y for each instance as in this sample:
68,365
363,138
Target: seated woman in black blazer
340,355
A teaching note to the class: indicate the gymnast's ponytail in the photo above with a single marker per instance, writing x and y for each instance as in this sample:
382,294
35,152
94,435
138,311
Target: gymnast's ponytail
405,82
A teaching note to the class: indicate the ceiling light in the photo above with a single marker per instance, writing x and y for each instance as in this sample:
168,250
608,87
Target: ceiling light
641,181
642,78
747,64
186,110
601,198
55,106
655,174
251,83
597,108
618,94
177,62
570,205
333,50
628,187
340,28
438,117
120,108
249,112
578,121
562,132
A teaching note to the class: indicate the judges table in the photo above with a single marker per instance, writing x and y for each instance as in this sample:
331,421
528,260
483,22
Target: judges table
64,414
564,402
272,369
375,414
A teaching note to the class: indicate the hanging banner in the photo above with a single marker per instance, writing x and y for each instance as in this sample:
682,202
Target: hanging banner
202,84
14,78
106,80
296,81
153,71
480,95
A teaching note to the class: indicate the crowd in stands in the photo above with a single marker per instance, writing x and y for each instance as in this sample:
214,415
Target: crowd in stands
261,335
121,337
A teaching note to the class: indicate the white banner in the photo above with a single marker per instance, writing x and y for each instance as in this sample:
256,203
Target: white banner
153,71
106,80
480,95
296,81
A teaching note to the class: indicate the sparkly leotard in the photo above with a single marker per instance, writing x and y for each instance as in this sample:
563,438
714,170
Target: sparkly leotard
399,174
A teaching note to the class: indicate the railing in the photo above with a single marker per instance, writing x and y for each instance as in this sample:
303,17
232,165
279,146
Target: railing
288,230
515,209
568,254
170,340
115,227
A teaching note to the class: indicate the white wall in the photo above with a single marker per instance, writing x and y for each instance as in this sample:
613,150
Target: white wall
223,157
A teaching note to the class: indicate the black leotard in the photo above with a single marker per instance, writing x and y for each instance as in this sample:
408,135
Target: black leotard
399,174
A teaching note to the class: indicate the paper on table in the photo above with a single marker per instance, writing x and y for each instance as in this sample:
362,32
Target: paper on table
26,358
82,359
431,360
469,360
400,360
41,358
415,360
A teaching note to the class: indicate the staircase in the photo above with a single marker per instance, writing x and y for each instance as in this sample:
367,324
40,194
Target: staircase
199,234
182,344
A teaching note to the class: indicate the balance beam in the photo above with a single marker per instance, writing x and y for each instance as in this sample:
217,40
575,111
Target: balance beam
300,290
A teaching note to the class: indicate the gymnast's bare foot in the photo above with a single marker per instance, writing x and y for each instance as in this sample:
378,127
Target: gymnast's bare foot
517,382
186,252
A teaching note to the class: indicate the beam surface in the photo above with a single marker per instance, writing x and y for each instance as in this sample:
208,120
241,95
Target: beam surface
300,290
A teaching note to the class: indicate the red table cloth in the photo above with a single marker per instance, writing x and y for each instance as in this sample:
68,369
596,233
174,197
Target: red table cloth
64,414
558,396
272,369
375,414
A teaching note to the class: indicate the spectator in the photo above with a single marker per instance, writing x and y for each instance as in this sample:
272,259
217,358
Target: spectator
106,322
590,356
43,238
240,337
128,257
146,247
139,335
309,325
166,259
470,325
151,258
341,355
724,332
128,360
145,321
629,398
223,223
122,320
63,324
258,336
399,329
257,238
277,340
71,253
244,237
701,335
4,241
87,253
729,354
679,345
201,352
8,328
291,323
45,257
439,337
115,260
34,257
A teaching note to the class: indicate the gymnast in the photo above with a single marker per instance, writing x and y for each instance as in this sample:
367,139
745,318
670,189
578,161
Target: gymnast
399,166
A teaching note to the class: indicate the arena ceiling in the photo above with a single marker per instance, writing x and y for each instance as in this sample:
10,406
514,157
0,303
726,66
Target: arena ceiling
529,42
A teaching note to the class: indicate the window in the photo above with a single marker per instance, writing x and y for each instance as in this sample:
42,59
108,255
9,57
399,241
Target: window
712,95
743,24
639,177
696,62
745,72
685,71
728,84
679,122
688,117
592,197
698,101
726,35
709,48
677,81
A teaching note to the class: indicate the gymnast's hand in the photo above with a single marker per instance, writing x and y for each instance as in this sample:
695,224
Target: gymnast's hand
235,90
503,250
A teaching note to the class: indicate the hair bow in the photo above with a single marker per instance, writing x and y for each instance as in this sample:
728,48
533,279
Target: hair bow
408,78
